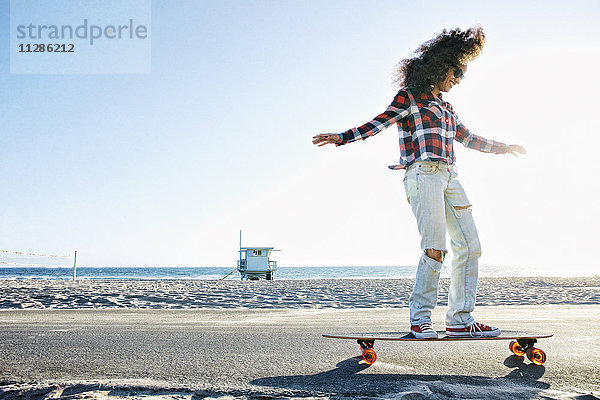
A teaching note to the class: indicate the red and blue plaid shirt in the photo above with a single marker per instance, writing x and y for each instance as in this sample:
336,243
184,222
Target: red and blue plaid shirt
427,127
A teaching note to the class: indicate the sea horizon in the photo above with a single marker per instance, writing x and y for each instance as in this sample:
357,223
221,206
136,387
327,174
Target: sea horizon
8,272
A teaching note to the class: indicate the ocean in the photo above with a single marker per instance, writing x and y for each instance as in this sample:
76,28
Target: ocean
365,272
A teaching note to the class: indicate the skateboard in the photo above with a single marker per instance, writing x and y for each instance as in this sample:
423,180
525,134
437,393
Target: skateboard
521,344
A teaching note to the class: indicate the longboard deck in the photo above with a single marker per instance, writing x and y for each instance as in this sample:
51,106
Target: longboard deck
521,344
407,336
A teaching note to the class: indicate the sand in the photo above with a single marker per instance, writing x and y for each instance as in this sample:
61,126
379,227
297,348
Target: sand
338,293
262,340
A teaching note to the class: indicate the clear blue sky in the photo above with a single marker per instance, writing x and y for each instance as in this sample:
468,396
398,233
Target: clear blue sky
164,168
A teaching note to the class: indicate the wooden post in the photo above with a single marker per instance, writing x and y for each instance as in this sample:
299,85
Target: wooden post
75,266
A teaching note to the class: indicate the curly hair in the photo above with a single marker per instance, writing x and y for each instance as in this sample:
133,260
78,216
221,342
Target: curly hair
433,59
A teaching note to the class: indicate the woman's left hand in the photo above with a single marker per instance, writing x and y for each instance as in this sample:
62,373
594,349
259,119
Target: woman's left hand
326,138
515,149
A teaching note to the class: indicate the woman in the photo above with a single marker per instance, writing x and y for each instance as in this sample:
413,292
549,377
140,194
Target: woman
428,127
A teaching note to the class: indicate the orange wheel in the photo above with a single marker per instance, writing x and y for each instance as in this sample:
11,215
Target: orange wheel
369,356
536,356
516,349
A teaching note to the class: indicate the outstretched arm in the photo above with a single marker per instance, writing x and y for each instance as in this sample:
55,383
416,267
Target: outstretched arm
485,145
395,112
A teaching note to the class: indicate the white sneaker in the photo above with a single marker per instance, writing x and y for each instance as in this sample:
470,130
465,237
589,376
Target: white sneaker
423,331
474,330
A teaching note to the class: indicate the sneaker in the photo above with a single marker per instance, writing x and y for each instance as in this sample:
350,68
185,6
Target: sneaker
423,331
474,330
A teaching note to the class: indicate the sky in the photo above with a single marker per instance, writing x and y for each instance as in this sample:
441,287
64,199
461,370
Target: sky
164,167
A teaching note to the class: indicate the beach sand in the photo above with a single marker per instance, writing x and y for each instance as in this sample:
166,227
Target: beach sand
324,293
193,339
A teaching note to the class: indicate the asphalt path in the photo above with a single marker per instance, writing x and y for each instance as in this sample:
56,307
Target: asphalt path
282,353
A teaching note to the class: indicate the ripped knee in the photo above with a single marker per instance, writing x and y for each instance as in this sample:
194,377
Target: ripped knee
437,255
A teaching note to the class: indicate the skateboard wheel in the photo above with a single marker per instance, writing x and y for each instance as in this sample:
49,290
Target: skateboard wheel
536,356
516,348
369,356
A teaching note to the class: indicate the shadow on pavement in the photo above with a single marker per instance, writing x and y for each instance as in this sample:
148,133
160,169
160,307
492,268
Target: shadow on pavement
351,378
530,372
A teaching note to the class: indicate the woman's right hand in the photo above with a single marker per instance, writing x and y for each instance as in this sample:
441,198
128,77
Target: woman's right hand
515,149
325,138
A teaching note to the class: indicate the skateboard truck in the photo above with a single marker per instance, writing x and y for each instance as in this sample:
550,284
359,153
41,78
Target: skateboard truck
368,354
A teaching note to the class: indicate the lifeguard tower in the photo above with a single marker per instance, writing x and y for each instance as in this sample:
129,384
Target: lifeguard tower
254,262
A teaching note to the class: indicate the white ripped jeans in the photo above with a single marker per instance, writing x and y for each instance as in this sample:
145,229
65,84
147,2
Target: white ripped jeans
433,192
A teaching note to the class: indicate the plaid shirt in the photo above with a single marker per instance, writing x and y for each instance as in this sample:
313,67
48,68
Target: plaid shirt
427,127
